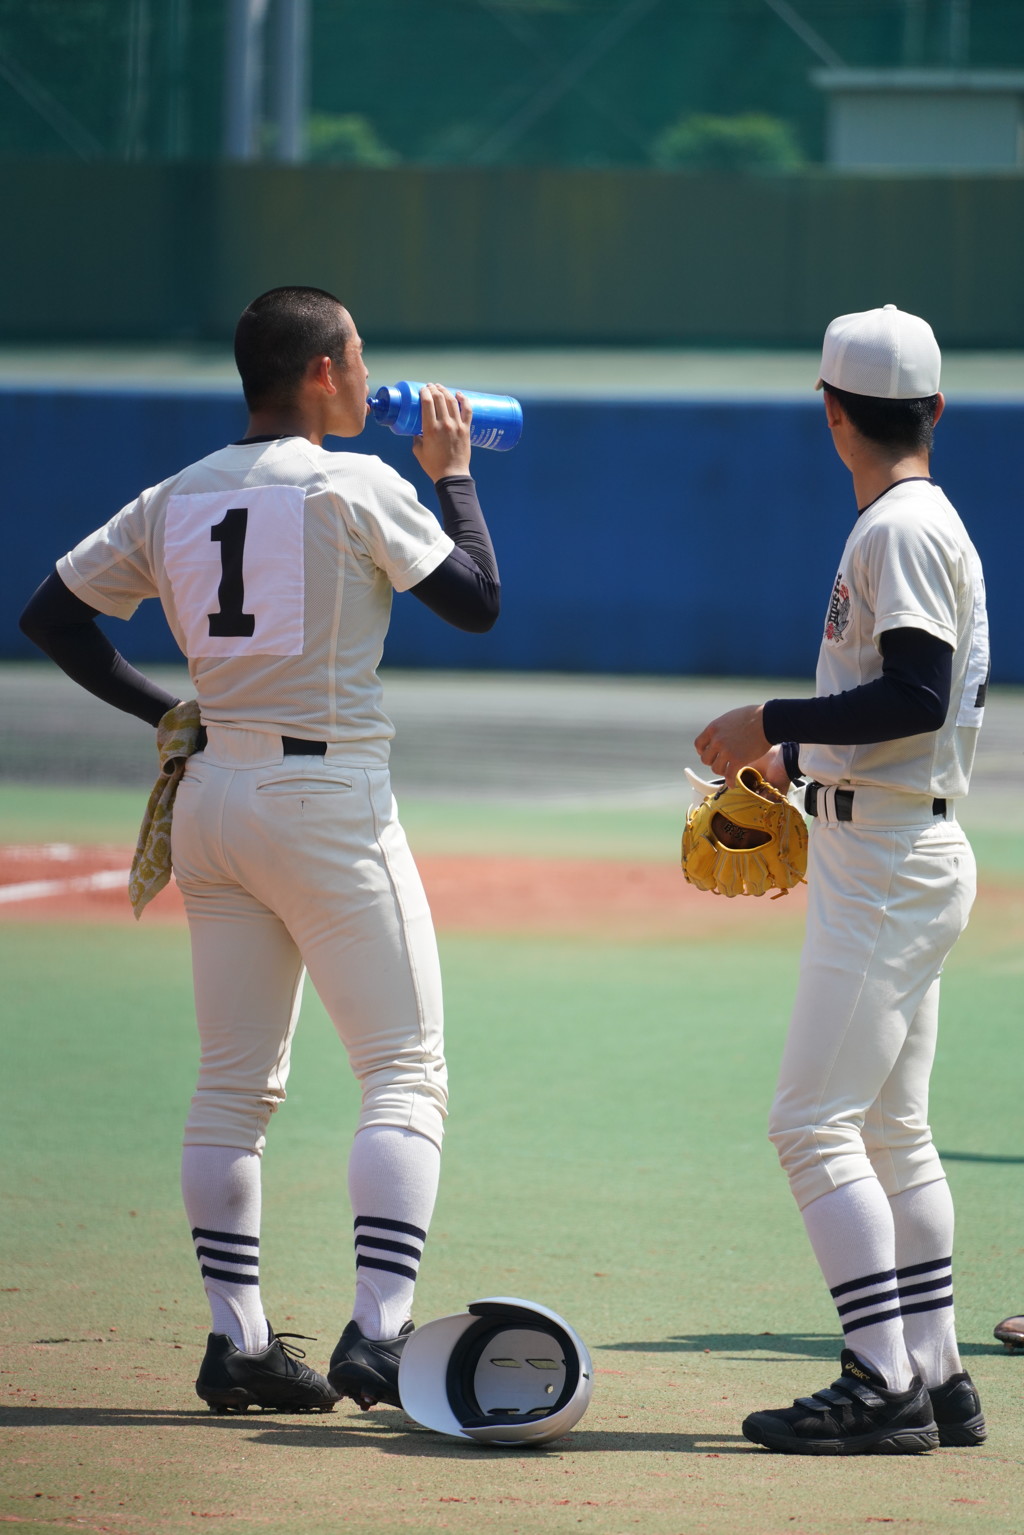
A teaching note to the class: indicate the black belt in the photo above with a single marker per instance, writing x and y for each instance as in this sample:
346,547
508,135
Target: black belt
293,747
844,802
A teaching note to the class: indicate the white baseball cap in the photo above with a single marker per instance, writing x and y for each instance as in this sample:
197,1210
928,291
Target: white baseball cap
505,1371
885,353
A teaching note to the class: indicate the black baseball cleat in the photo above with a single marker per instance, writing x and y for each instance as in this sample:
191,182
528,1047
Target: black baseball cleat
231,1380
366,1369
856,1415
957,1409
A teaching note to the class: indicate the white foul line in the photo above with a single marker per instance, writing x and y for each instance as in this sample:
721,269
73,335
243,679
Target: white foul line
38,889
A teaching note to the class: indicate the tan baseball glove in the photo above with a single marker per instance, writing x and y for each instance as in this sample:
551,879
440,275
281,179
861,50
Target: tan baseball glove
744,840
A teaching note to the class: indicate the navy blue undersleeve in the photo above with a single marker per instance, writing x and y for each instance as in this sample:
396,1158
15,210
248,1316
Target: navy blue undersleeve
65,628
464,590
910,698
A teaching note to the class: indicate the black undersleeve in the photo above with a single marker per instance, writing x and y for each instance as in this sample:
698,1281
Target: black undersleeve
910,698
464,589
65,627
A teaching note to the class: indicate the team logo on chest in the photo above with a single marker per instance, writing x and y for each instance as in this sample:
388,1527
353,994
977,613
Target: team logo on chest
838,611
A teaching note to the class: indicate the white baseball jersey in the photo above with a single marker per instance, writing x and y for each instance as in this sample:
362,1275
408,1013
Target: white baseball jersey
275,564
908,564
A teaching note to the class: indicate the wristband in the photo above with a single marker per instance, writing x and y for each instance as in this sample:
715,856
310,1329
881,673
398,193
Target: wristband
791,761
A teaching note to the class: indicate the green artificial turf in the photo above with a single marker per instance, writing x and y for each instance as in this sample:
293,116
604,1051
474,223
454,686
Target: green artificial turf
606,1156
47,813
95,815
28,814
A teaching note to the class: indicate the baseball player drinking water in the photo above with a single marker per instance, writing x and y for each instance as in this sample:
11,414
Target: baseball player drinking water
887,746
275,561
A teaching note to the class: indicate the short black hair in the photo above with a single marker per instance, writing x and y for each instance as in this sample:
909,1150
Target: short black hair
906,424
279,334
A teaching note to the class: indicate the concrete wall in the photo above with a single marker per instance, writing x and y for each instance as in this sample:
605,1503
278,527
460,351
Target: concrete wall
115,251
677,538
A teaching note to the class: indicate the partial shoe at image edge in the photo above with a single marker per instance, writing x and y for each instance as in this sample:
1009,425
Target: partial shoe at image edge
1010,1332
366,1369
231,1380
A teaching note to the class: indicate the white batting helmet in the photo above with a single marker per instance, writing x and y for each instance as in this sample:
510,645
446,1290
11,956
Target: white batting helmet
504,1371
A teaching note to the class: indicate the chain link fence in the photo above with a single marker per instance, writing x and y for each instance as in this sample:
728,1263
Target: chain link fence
706,83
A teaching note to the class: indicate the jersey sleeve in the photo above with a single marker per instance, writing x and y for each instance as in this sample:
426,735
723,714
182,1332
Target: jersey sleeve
111,569
402,537
910,576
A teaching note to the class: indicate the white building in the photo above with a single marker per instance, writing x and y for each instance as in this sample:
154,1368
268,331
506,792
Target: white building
924,119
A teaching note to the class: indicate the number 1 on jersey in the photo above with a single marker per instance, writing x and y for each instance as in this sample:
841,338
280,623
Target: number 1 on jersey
230,534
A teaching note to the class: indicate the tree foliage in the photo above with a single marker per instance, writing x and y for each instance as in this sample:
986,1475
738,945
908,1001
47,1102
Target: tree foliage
345,138
745,142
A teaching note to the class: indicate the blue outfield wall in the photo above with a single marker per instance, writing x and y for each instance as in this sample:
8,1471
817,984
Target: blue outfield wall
683,537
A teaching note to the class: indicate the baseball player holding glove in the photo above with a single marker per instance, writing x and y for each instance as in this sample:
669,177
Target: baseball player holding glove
275,562
887,744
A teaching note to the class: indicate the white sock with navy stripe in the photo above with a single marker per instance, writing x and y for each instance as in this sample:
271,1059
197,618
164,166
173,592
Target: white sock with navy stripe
851,1231
392,1181
923,1218
221,1189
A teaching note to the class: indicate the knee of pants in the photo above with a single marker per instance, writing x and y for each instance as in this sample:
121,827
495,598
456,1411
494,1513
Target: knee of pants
819,1158
904,1165
220,1118
411,1100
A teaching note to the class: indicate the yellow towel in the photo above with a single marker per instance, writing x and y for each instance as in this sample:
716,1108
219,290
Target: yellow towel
177,737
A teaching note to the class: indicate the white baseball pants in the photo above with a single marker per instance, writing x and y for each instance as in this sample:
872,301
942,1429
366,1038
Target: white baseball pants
296,863
886,903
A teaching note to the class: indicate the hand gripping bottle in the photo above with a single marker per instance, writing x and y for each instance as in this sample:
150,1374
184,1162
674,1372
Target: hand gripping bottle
497,418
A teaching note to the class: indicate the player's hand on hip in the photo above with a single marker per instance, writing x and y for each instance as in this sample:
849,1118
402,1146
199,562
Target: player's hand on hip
443,448
732,741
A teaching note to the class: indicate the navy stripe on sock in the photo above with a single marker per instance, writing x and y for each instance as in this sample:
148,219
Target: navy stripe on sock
869,1321
225,1236
225,1257
928,1305
924,1268
410,1231
391,1247
381,1263
877,1299
922,1289
862,1284
210,1273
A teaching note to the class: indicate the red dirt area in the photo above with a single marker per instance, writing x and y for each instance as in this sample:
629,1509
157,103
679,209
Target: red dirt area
59,882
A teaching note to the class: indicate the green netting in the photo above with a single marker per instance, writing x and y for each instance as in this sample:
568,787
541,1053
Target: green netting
575,82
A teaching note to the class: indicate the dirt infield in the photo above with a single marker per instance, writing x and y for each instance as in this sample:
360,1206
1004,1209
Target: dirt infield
63,882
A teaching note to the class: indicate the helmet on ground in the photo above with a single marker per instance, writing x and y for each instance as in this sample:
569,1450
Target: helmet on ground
504,1371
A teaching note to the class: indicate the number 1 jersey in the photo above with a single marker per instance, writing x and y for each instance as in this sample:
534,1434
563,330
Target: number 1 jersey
274,563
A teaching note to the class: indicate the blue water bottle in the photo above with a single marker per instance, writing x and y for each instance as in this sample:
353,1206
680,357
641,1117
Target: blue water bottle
497,418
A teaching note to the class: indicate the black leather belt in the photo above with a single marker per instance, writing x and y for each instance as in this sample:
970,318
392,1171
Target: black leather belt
293,747
844,802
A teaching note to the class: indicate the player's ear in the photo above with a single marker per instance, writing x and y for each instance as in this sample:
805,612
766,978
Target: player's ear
940,405
833,410
321,372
